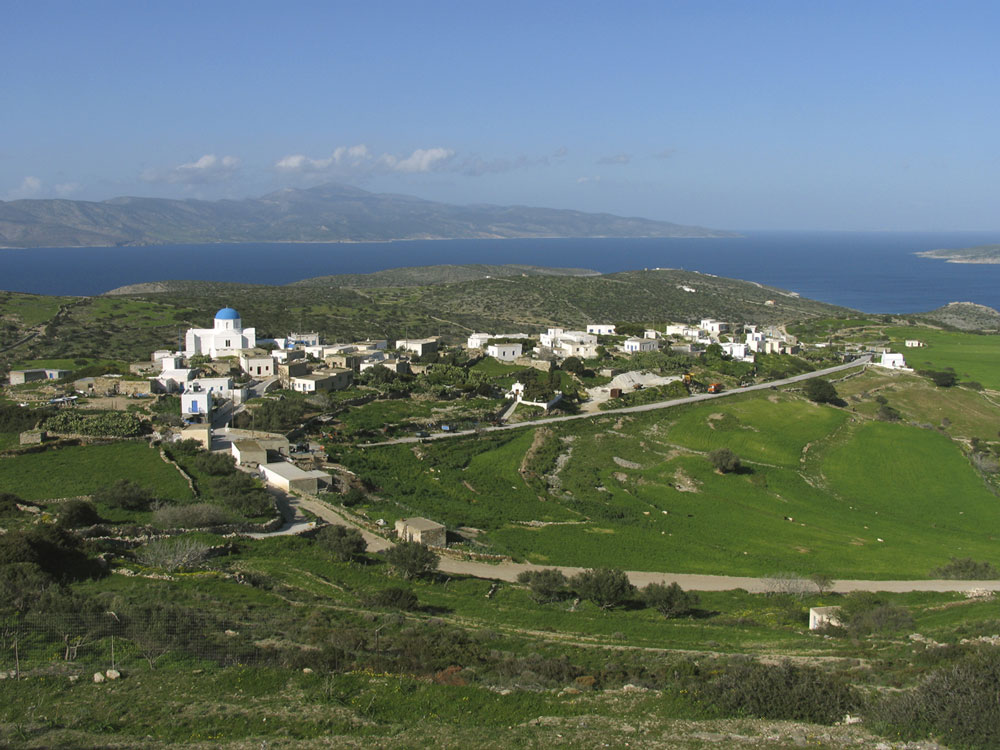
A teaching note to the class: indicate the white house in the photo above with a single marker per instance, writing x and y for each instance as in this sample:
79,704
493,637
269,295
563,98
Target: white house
651,333
737,351
289,477
259,366
323,380
419,347
821,617
196,403
913,343
633,345
714,326
892,361
601,329
504,352
226,338
478,340
221,387
570,343
171,381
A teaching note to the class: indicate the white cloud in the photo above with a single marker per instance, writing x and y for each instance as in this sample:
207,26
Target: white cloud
342,156
67,188
209,168
358,161
29,187
615,159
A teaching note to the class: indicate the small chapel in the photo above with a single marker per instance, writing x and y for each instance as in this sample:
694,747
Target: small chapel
227,338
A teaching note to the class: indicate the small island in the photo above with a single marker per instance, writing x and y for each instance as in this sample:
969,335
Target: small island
978,254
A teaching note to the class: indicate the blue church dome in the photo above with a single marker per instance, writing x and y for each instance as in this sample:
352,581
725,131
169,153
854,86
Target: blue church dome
227,313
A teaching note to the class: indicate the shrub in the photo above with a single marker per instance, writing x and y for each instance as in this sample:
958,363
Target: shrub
394,598
605,587
669,601
545,585
821,391
194,516
784,691
940,379
724,460
956,703
864,613
411,559
887,413
173,554
343,542
966,569
9,502
124,494
76,513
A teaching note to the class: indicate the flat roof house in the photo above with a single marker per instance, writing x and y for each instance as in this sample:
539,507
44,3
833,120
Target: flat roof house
419,347
422,530
290,478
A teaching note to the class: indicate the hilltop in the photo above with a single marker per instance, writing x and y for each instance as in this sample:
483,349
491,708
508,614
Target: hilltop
327,213
967,316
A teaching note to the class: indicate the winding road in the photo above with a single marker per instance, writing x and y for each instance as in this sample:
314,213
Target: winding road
864,360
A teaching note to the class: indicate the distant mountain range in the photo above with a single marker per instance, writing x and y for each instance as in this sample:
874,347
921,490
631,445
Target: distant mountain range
328,213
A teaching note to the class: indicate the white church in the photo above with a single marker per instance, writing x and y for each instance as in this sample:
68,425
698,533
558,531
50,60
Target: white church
227,338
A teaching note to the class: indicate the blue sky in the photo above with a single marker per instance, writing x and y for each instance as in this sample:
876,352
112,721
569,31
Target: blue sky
744,115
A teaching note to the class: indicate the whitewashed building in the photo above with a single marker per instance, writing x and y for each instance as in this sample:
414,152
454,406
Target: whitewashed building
633,345
196,403
505,352
227,337
892,361
601,329
478,340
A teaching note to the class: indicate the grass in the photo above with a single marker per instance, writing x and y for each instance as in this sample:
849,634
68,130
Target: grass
973,357
637,493
80,470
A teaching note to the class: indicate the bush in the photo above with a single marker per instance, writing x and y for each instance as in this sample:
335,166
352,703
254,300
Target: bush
605,587
394,598
8,503
966,569
411,560
784,691
173,554
343,542
864,613
821,391
545,585
194,516
940,379
124,494
76,513
724,460
669,601
957,704
887,413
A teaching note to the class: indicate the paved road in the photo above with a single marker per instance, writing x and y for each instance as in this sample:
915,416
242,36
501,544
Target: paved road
633,409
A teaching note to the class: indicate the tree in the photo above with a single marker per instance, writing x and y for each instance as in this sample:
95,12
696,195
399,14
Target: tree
724,460
669,601
822,582
124,494
605,587
411,559
76,513
940,379
821,391
343,542
546,586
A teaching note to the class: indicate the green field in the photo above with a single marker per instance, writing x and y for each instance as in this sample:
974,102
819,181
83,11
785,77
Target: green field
80,470
637,492
973,357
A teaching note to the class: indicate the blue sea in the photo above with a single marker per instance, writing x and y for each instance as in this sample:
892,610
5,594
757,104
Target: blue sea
869,271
